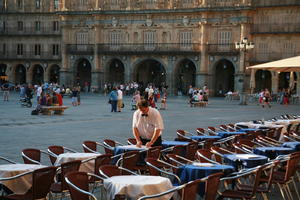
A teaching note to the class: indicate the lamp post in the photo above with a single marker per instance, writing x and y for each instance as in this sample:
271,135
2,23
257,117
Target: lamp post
244,46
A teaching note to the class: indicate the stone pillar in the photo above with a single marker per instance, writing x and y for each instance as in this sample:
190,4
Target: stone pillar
274,83
201,79
96,84
29,75
170,75
10,72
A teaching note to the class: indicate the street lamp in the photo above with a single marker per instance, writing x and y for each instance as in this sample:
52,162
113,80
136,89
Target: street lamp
243,46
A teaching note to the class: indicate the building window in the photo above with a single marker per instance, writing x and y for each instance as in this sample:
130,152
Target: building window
55,26
150,1
149,39
262,52
185,39
82,41
20,4
82,2
20,26
37,49
288,49
187,1
37,26
56,4
114,2
20,49
55,49
37,4
224,40
115,38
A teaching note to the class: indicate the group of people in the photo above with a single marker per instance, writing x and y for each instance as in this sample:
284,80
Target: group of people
265,97
197,94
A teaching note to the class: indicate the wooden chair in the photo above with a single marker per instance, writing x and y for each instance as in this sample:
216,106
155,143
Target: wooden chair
204,156
182,135
91,146
78,185
200,131
191,150
109,145
55,150
129,160
112,170
33,156
212,131
131,141
41,181
60,186
154,152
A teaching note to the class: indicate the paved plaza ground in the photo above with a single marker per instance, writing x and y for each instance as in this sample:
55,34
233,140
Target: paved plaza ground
92,120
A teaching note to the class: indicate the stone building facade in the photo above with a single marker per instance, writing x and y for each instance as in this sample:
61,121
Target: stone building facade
166,42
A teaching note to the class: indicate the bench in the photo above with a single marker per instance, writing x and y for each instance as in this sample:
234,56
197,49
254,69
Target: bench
199,104
58,110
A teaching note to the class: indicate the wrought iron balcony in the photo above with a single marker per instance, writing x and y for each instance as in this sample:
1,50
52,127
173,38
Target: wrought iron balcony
155,48
13,55
80,49
221,49
273,3
276,28
12,31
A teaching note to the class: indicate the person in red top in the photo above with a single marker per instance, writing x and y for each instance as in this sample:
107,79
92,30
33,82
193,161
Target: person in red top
59,99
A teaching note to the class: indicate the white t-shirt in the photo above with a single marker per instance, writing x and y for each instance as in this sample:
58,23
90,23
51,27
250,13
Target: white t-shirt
120,95
39,91
147,125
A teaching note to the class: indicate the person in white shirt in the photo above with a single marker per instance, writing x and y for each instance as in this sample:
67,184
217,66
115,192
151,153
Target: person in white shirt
38,93
120,99
147,125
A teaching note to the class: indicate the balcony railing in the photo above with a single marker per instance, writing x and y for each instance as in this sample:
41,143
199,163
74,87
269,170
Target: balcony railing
44,55
270,56
80,49
276,28
155,48
222,49
271,3
29,31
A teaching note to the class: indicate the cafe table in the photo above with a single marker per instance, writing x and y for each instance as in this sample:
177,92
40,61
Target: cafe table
204,137
18,185
135,187
245,160
118,150
198,170
293,145
224,134
85,167
169,143
272,152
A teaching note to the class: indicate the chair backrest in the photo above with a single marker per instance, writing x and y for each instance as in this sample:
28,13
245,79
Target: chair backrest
211,130
200,131
34,154
181,133
218,152
91,145
154,162
179,150
154,152
110,144
104,159
206,153
42,180
131,141
191,150
129,160
212,186
55,150
112,170
223,127
80,180
247,143
67,167
292,165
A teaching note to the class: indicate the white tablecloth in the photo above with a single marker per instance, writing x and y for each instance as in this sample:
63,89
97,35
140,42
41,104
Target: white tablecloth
85,167
19,185
137,186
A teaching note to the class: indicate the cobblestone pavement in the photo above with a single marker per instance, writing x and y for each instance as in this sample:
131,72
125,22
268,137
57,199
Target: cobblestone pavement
92,120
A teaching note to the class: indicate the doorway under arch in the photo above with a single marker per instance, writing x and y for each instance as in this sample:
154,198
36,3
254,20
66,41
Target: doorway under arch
3,75
116,72
37,75
150,71
263,80
185,75
224,77
285,80
20,74
54,74
83,73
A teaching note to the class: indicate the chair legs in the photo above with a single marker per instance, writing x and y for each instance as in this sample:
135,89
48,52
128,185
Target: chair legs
281,188
295,187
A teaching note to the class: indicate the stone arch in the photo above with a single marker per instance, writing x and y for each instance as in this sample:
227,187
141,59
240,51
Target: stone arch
20,74
82,72
184,75
149,70
115,71
37,72
224,77
263,80
53,73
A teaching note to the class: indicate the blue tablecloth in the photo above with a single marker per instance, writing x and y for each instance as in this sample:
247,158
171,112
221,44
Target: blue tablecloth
122,149
272,152
293,145
204,137
227,134
188,173
245,160
166,144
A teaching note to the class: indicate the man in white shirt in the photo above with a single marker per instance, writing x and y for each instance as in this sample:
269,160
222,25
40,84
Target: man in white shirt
38,93
120,99
147,125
